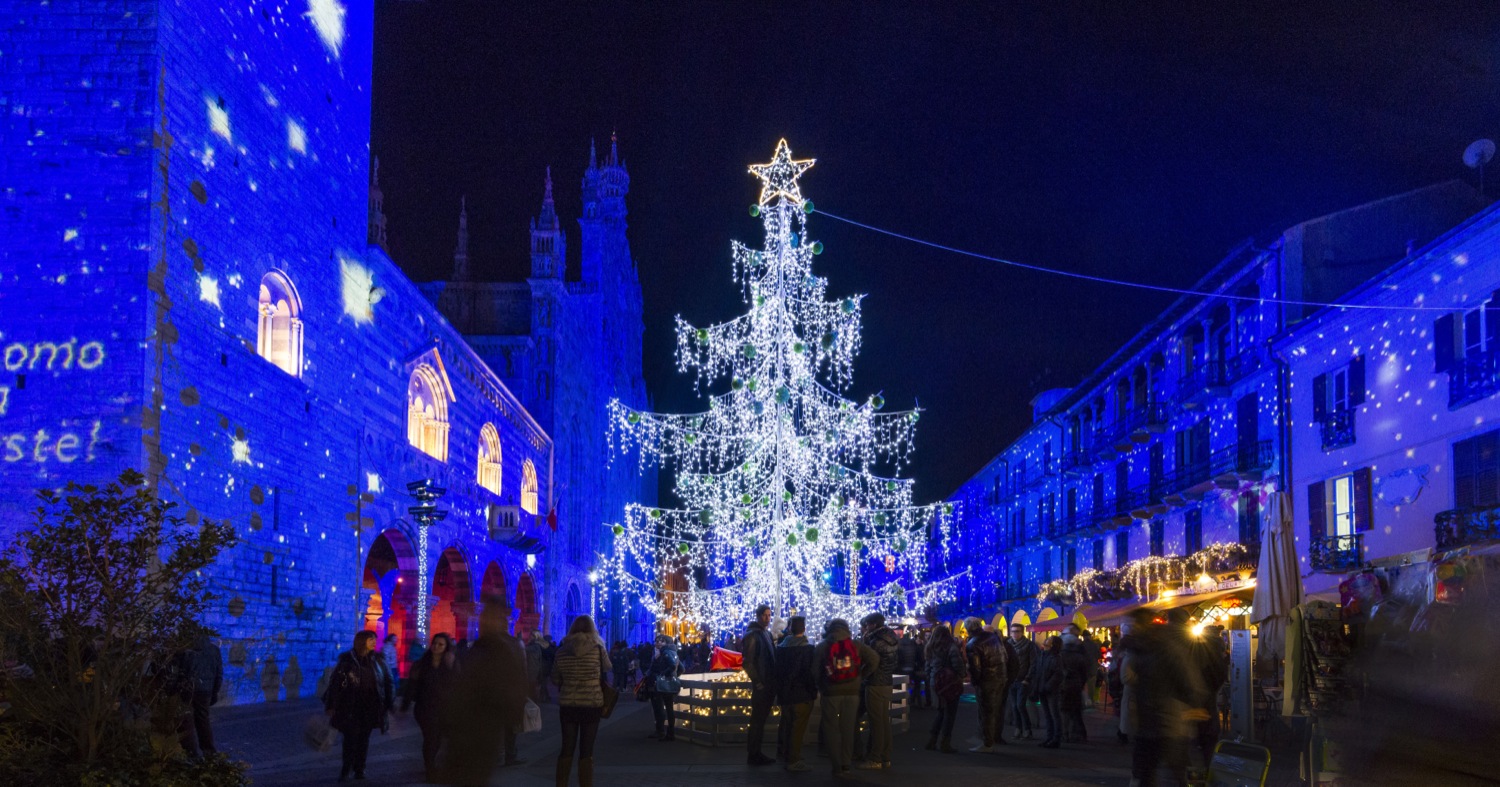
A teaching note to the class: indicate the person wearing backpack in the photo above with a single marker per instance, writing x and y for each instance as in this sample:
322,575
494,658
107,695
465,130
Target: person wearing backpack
841,664
760,665
945,671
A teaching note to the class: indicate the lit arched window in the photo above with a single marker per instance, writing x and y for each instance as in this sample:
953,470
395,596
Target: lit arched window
489,458
528,487
278,332
427,413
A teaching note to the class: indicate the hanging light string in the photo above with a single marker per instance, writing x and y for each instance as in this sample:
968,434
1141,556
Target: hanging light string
1135,284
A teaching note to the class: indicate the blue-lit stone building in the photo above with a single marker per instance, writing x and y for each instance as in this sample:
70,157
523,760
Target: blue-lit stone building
1395,417
191,284
1174,443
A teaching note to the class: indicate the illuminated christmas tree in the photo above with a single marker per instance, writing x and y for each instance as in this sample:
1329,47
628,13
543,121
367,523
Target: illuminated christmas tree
788,490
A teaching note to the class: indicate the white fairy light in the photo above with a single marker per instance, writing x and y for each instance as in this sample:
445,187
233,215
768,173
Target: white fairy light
789,490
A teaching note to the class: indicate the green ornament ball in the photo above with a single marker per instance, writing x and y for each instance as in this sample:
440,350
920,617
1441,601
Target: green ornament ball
690,439
656,513
877,402
618,530
827,340
760,300
702,334
880,519
817,247
750,384
947,508
759,408
807,206
791,539
754,210
859,546
737,384
799,348
812,534
683,548
705,516
783,394
848,306
787,495
746,499
633,417
748,351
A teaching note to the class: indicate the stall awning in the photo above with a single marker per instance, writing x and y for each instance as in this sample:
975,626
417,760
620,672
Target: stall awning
1194,599
1108,614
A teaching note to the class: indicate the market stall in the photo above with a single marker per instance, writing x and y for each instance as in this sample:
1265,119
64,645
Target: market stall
713,708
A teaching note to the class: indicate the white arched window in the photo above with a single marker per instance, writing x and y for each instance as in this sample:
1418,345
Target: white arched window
489,458
528,487
278,331
427,413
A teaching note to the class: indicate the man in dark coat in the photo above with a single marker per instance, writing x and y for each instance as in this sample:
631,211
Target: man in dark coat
489,702
1166,691
206,671
987,671
760,664
911,663
878,689
795,691
1020,686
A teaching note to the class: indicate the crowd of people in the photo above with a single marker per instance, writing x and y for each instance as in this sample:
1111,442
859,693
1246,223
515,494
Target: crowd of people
1161,679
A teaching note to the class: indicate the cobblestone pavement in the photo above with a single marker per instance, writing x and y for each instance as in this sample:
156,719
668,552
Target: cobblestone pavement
270,738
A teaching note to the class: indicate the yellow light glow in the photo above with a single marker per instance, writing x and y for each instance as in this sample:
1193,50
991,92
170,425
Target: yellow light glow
779,177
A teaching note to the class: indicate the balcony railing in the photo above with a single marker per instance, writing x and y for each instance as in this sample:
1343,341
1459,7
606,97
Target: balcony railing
1464,526
1337,428
1215,377
1010,591
1241,458
1338,554
1473,378
1075,462
1132,426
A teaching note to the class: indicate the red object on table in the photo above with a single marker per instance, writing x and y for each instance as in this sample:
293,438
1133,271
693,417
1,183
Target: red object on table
725,660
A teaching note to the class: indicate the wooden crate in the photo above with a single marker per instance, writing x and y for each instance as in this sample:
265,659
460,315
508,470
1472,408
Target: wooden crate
713,711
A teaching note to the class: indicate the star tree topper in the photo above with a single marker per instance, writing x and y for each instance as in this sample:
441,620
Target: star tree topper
779,178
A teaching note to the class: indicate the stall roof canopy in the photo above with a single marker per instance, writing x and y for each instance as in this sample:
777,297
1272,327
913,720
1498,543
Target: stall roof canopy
1108,614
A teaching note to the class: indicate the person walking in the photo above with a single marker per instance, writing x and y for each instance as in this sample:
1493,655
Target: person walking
910,662
1077,669
428,686
878,688
1166,695
1046,682
945,671
488,705
796,688
661,683
359,698
624,663
760,665
206,676
1020,685
986,661
841,663
1211,661
579,669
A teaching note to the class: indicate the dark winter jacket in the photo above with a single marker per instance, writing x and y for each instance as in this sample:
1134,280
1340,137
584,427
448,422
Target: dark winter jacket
987,660
1046,676
643,653
665,665
535,659
578,667
908,655
760,656
360,692
493,683
1076,667
868,659
1026,654
428,687
1164,682
951,657
794,673
884,642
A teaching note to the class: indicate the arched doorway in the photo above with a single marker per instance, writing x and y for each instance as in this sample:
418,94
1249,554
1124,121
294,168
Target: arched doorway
528,619
573,607
492,584
451,607
390,589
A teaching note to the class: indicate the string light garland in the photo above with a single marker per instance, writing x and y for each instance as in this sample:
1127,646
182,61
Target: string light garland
790,490
1139,575
1136,284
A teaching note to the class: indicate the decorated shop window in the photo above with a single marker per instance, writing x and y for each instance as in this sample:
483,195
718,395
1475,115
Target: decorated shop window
427,413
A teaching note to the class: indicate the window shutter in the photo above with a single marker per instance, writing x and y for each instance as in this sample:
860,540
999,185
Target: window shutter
1463,472
1364,512
1320,398
1357,380
1317,511
1442,344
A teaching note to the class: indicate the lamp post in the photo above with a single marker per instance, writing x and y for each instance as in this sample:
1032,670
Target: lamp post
426,493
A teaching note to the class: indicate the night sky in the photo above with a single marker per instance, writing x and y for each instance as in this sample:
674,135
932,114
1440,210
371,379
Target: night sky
1133,143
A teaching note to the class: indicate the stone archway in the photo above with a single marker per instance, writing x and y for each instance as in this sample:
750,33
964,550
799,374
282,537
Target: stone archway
492,585
573,607
528,618
450,608
389,592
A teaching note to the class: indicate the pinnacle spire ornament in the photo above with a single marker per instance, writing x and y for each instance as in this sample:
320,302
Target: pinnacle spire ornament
779,177
787,490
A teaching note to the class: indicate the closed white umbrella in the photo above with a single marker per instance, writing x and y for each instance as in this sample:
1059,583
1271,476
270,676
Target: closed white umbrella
1278,583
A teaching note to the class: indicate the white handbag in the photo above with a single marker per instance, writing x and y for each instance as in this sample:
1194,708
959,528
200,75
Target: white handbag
533,720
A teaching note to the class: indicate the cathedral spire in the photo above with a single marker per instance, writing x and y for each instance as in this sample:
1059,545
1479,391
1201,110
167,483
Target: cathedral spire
461,254
548,246
614,150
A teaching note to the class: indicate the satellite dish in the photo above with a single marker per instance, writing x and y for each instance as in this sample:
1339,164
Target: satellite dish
1478,153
